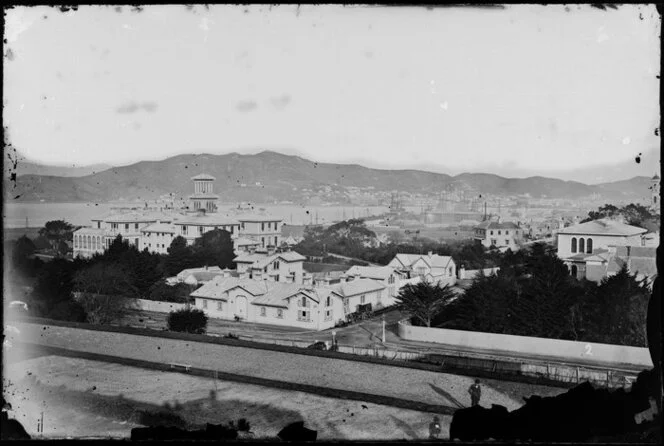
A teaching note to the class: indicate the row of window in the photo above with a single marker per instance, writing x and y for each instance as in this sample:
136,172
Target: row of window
494,242
269,226
158,234
585,246
263,310
114,226
507,232
93,242
276,241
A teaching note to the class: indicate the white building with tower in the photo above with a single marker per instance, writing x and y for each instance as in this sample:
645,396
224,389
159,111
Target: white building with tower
155,229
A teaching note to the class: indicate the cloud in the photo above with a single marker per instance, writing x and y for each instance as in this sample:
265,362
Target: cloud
281,101
246,106
133,107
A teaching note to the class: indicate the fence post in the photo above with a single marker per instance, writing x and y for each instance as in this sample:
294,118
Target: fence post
608,379
548,371
577,375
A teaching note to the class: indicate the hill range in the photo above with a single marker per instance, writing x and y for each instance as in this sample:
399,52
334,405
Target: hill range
270,176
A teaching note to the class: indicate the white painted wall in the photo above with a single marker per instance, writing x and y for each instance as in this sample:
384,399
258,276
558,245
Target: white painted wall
230,308
599,241
555,348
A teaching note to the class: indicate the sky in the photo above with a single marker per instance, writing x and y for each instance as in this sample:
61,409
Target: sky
517,91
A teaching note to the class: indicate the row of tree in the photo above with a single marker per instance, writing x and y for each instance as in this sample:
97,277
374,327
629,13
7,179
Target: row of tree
533,294
633,214
100,289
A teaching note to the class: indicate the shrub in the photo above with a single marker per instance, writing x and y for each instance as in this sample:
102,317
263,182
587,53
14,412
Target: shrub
178,293
188,320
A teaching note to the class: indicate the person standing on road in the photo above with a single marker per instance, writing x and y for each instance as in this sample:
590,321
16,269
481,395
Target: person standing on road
475,392
434,428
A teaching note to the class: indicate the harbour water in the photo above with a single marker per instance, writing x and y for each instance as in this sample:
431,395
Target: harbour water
20,215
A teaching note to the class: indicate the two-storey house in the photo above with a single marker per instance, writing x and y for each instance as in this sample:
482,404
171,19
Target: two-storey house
503,236
262,228
274,266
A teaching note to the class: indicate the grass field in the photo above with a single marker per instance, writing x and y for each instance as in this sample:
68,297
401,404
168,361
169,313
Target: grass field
82,398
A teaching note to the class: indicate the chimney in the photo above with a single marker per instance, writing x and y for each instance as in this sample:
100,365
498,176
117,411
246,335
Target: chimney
430,253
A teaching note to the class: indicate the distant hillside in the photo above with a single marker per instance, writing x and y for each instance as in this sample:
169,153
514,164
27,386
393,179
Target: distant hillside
26,167
637,186
270,176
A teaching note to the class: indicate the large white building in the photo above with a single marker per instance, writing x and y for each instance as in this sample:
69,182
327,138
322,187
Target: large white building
155,230
291,304
588,249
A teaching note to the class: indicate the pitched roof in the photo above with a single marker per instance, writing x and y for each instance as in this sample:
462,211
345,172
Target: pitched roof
495,225
598,255
433,261
263,292
91,231
603,227
278,292
186,272
370,272
204,276
216,288
355,287
262,260
203,176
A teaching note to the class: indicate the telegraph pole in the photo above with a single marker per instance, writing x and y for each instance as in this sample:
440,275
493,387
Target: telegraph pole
383,318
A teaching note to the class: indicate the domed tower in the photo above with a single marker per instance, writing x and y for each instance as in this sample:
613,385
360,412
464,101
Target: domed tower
654,188
204,197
